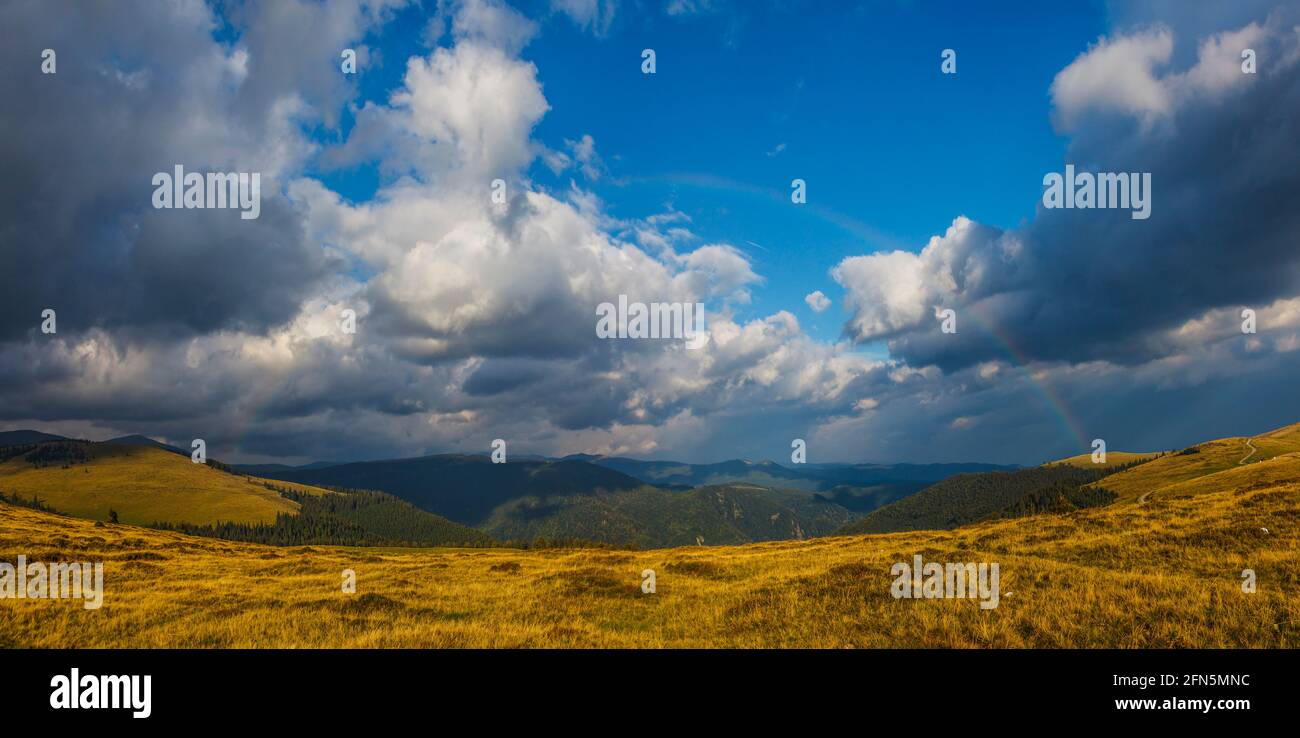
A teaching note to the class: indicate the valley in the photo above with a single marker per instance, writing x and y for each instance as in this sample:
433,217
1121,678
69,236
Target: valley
1167,573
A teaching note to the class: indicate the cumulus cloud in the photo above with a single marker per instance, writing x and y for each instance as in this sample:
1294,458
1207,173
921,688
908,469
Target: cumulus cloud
1116,74
817,301
138,91
1085,285
492,23
895,291
475,318
1129,74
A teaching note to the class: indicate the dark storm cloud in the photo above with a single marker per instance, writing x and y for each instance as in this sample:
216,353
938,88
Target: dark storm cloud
495,377
140,88
1087,285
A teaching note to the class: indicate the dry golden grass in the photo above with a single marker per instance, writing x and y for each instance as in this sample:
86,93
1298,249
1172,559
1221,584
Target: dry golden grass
147,485
1212,457
1161,574
1277,470
1113,459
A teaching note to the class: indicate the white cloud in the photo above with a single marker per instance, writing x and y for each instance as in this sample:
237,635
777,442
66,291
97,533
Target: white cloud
584,152
472,107
690,7
1218,60
718,270
893,291
1116,74
1124,74
817,301
493,23
476,321
594,15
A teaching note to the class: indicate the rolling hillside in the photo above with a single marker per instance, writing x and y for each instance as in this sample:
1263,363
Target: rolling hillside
968,498
139,440
25,437
1164,574
147,484
346,519
664,473
655,518
863,500
571,500
143,484
1113,459
858,488
1202,460
906,478
1076,482
466,489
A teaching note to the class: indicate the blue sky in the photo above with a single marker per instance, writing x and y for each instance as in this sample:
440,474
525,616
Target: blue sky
745,101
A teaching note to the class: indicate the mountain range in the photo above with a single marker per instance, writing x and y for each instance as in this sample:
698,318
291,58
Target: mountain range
607,500
468,499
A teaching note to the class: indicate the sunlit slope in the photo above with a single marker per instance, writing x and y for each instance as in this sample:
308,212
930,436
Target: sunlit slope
1162,574
145,485
1275,443
1284,469
1201,461
1113,458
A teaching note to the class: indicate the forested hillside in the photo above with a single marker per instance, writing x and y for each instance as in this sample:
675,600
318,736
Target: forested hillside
967,498
345,518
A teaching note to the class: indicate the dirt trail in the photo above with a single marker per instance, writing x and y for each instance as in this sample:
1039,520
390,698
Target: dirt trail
1142,499
1247,456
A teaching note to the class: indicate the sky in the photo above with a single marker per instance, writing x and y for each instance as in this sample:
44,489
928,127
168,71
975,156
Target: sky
475,319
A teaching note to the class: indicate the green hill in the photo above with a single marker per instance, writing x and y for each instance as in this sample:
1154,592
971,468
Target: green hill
23,437
1113,459
1203,460
148,484
968,498
142,484
900,478
1075,483
736,471
572,500
466,489
346,518
650,517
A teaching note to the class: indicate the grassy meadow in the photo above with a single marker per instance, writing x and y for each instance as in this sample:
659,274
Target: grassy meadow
147,485
1200,463
1113,459
1163,573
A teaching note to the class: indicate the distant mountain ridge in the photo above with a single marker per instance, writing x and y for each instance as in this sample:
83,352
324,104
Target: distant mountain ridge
138,440
263,469
615,500
569,499
23,437
807,477
463,488
651,517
